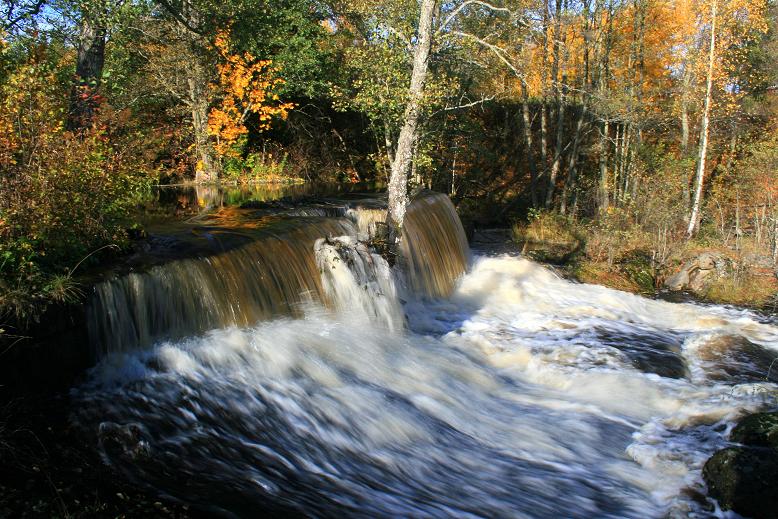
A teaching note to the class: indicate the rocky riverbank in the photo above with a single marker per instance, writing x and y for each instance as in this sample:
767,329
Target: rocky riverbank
708,275
48,470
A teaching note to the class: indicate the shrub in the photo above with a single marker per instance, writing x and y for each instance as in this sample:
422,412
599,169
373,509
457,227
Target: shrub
546,227
62,194
255,167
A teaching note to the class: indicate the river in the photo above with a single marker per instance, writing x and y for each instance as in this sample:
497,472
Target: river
385,392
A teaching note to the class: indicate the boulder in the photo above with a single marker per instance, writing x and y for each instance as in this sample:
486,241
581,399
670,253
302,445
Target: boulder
678,281
697,273
757,430
122,441
745,480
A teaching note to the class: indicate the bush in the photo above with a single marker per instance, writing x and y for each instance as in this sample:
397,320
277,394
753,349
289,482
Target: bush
62,194
257,167
547,227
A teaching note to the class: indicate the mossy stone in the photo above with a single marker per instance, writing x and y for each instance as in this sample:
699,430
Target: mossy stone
744,479
757,430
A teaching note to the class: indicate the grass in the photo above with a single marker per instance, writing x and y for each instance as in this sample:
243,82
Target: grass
748,290
614,252
545,227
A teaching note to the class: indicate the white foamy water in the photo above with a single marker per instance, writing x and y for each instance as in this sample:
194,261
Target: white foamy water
522,395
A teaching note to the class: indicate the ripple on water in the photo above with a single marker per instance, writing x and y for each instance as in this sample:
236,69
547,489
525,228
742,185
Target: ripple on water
521,395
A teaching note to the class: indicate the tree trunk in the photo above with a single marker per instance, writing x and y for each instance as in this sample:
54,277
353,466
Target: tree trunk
686,85
560,102
603,75
388,143
89,66
207,168
569,186
704,130
544,98
555,166
604,198
572,165
398,181
685,131
527,127
626,147
617,163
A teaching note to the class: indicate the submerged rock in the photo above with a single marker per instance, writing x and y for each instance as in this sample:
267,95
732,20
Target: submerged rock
125,440
745,479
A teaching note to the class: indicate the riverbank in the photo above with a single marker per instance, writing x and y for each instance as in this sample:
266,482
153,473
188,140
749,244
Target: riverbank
740,273
48,469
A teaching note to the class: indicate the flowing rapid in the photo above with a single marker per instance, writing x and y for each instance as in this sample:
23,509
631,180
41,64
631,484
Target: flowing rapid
422,390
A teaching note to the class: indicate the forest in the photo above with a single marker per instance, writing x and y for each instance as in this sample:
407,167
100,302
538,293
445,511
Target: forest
638,127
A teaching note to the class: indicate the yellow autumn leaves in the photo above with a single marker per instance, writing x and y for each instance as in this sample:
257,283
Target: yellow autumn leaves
247,87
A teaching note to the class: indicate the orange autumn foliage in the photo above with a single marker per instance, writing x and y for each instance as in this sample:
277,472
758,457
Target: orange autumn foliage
247,86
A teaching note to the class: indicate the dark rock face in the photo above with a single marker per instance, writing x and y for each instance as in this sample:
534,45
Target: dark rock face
745,479
757,430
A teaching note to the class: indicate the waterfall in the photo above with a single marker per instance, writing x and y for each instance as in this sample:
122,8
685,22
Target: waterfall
434,249
358,283
367,220
517,394
269,276
278,267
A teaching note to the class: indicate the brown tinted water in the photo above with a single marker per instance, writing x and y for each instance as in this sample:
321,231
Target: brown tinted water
234,265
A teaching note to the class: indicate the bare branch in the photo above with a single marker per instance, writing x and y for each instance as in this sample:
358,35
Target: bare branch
468,3
176,13
498,51
26,12
463,106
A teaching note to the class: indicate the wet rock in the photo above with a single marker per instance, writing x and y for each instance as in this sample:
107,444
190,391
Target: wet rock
697,274
649,352
757,430
736,360
745,480
122,440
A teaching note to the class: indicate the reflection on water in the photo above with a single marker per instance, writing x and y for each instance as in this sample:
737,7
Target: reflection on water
187,200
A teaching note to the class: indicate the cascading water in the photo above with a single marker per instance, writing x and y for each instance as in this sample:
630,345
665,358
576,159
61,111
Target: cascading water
272,270
367,220
521,394
358,283
433,248
269,276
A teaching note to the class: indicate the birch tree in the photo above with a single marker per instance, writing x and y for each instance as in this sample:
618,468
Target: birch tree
704,126
398,179
432,23
729,26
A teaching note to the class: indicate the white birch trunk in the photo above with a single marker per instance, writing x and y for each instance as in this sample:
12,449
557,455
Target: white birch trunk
699,178
398,181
